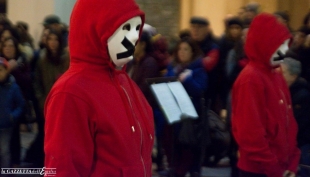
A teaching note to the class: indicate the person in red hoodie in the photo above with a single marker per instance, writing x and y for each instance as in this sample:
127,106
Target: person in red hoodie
98,122
262,119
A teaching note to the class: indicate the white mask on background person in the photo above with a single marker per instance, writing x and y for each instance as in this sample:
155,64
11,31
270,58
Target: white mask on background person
279,55
121,45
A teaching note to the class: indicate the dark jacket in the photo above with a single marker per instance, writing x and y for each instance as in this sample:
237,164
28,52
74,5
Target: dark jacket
300,92
147,67
211,53
301,54
11,103
22,76
46,74
195,85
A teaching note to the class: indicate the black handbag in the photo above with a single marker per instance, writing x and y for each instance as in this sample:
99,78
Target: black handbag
220,139
189,132
195,132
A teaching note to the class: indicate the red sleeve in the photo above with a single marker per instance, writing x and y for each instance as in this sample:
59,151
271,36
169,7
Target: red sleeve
68,144
248,129
211,59
295,152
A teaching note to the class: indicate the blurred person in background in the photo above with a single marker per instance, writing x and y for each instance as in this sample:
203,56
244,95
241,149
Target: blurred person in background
9,32
263,123
4,23
18,65
53,62
19,68
252,9
40,51
53,22
299,40
13,32
201,33
300,95
232,36
306,21
305,61
236,60
42,42
284,18
25,37
187,158
242,13
12,105
300,51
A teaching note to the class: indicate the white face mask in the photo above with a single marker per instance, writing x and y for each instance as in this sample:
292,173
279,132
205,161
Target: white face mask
278,56
121,44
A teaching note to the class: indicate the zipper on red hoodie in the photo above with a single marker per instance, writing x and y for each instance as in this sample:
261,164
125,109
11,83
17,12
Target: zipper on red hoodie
287,121
141,139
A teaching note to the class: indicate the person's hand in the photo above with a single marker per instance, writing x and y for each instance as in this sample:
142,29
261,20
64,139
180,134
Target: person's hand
12,64
288,173
185,74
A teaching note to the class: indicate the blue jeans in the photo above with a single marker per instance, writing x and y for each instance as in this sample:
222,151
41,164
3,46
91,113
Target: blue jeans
5,155
305,160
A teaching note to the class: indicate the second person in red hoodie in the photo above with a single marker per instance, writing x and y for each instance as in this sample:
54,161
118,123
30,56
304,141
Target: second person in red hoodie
262,119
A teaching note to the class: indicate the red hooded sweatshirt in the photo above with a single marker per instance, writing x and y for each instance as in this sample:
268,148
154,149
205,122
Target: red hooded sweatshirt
262,120
98,123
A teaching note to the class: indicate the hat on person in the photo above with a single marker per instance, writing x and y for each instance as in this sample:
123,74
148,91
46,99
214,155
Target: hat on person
283,15
199,20
22,24
252,7
51,19
235,21
149,29
3,62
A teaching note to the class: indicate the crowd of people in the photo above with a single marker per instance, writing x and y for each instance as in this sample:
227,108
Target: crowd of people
28,74
206,65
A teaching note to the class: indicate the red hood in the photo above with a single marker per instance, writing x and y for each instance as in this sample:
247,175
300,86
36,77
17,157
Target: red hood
265,36
92,23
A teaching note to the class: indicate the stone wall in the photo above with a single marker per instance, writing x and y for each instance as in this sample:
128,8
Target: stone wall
164,15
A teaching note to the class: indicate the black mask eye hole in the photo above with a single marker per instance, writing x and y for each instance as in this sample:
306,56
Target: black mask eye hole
138,27
127,27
